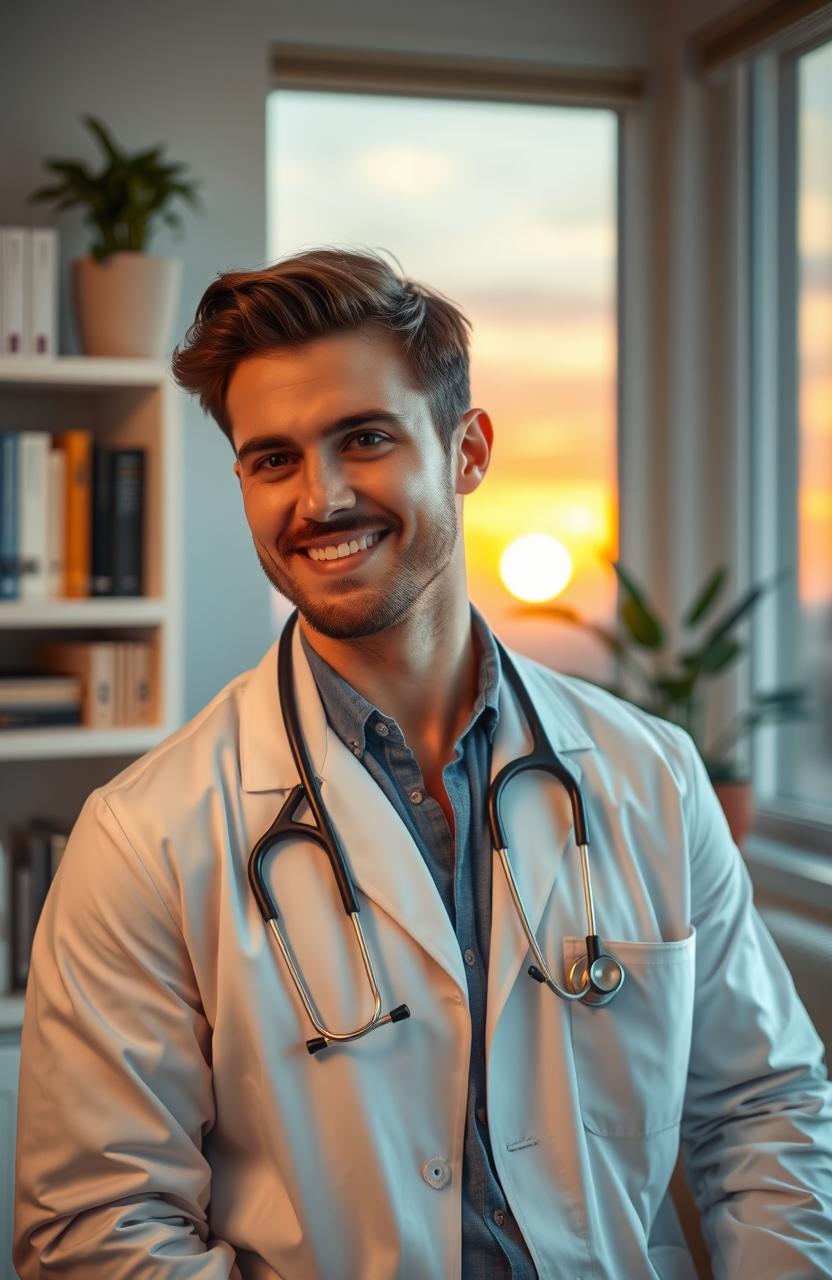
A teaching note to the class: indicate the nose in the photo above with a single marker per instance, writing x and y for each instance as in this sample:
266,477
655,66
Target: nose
324,490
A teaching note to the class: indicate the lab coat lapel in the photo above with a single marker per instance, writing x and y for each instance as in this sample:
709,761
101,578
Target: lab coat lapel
384,861
537,817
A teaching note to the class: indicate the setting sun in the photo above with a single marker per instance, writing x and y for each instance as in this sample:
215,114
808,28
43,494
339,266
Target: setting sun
535,567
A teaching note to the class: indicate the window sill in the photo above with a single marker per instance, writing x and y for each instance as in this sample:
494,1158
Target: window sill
801,875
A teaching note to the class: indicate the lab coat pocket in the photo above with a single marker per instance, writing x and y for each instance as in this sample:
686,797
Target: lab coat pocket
631,1055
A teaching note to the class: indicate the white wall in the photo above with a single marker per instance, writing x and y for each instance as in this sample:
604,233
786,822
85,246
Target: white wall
196,75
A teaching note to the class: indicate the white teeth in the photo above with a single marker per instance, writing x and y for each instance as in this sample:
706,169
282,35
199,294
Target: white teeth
333,552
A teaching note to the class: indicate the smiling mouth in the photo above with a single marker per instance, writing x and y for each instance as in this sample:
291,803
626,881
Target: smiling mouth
347,552
343,550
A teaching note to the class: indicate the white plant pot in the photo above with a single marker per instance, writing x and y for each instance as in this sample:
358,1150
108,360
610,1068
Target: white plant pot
126,305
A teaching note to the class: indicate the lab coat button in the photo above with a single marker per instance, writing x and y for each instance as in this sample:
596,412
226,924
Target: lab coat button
436,1173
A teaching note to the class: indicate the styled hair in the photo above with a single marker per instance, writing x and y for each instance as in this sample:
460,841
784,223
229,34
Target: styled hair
311,295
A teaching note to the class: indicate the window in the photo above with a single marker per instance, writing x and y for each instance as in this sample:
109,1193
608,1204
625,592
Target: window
509,209
791,420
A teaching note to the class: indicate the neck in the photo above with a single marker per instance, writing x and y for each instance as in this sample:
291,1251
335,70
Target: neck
422,672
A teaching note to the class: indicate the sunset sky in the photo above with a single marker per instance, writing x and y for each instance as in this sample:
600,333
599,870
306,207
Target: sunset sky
815,319
509,210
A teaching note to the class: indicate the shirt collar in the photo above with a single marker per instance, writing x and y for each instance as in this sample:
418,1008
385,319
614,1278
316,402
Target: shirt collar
349,712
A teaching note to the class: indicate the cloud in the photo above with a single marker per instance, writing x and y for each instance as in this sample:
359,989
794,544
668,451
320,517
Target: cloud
404,170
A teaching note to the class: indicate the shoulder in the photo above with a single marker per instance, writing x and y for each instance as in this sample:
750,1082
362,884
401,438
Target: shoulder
206,745
613,724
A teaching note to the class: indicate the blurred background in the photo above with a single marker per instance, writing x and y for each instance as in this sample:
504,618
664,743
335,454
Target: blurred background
632,202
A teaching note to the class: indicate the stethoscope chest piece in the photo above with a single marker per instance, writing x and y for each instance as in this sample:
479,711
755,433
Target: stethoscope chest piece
606,977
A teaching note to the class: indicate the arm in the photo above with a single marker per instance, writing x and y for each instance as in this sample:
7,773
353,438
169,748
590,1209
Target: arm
115,1079
757,1125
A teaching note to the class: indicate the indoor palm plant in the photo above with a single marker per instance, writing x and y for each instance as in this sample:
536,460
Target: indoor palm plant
672,684
125,298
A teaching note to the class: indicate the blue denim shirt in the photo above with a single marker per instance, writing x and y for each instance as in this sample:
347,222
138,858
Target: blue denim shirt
461,865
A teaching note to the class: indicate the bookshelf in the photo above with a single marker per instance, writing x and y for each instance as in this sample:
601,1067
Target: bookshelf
125,403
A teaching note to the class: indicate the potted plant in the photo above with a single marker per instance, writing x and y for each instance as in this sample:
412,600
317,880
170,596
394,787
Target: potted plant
672,685
124,298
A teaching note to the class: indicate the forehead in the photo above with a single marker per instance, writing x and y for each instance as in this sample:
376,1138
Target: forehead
317,382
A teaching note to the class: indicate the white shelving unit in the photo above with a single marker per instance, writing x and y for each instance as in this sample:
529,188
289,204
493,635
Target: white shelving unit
49,772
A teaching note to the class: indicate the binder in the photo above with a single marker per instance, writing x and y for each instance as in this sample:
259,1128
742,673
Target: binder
9,494
43,335
33,490
15,272
95,662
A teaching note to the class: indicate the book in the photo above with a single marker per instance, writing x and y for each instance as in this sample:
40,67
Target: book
31,873
5,921
9,517
15,254
37,717
33,523
42,339
77,446
94,662
144,692
57,522
127,501
25,689
102,532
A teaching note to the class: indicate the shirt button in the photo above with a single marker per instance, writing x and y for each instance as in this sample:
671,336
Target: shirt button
416,797
469,956
381,729
481,1116
436,1173
499,1217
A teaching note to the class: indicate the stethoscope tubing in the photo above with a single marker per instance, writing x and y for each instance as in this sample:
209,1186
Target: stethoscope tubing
541,758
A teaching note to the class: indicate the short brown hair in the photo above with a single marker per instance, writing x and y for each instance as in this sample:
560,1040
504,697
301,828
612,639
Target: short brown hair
311,295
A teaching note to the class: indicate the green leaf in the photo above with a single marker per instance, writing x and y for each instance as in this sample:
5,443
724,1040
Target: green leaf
109,146
744,606
714,656
706,599
639,619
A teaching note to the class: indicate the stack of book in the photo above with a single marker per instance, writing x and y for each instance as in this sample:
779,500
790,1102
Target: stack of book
71,517
28,861
32,700
117,679
28,292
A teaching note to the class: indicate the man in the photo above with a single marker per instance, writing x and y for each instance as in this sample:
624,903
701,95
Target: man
172,1121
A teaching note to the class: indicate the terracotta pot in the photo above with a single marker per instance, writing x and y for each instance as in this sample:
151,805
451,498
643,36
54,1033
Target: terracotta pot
737,800
126,305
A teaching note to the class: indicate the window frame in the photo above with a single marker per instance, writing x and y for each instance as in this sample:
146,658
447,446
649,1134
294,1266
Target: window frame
621,90
769,87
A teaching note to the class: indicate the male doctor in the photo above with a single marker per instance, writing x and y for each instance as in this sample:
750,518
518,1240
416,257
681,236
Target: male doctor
172,1123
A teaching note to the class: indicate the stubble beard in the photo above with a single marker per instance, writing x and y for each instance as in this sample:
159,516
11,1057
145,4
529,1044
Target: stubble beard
383,605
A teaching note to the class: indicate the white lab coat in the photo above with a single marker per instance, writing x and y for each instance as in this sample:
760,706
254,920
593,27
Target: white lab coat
173,1125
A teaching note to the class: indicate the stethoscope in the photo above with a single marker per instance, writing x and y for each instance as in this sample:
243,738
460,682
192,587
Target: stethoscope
593,979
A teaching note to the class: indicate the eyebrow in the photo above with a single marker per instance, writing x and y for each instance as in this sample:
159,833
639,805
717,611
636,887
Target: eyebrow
271,441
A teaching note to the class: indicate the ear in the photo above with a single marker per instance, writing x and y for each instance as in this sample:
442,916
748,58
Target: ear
473,451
